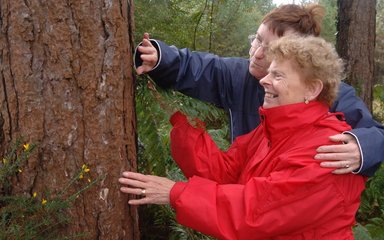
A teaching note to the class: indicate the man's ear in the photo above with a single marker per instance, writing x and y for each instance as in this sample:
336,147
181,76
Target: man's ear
314,89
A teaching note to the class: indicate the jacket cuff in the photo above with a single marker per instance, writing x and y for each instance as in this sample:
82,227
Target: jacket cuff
137,62
176,190
178,117
357,171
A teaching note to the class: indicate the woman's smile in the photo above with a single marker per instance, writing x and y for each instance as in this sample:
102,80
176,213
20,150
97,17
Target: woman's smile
270,95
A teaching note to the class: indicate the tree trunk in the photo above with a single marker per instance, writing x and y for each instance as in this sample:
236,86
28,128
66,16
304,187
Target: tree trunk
356,28
67,84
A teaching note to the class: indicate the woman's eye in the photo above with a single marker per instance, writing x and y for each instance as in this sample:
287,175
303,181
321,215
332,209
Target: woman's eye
277,76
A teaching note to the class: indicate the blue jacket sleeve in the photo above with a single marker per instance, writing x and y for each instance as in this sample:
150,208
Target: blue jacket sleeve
368,132
200,75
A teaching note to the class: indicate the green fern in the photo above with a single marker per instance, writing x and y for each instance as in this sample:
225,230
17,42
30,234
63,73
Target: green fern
154,108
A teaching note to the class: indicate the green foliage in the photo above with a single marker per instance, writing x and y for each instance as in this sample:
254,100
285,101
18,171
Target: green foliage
177,20
12,163
378,102
229,24
36,215
361,233
371,211
328,31
154,107
220,27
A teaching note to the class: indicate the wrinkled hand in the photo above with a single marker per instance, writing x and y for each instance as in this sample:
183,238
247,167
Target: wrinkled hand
152,189
148,55
344,157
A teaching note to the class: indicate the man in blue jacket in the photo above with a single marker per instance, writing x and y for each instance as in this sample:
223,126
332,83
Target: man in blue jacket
233,84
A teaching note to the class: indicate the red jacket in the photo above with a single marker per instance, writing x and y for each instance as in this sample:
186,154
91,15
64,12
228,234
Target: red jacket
267,184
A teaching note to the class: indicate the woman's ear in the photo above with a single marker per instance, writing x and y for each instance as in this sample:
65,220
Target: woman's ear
314,89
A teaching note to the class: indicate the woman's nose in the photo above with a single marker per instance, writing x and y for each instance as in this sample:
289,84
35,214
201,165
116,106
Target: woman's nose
265,80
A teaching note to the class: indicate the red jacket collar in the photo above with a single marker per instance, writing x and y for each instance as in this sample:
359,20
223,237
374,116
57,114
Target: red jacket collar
287,119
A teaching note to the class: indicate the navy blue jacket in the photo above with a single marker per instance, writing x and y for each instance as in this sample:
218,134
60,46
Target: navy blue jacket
227,83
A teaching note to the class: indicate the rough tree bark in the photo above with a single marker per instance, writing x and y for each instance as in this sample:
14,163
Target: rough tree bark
356,28
66,83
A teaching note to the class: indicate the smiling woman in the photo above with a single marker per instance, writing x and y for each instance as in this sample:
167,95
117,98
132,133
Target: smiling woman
283,85
295,77
269,173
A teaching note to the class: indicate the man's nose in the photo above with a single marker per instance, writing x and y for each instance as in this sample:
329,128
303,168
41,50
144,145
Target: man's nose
259,52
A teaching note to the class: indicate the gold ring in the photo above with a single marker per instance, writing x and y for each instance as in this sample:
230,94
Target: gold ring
142,191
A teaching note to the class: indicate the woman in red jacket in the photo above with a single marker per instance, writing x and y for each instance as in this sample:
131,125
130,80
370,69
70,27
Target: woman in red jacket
266,187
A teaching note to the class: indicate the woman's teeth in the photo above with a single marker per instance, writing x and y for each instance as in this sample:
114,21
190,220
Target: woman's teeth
270,95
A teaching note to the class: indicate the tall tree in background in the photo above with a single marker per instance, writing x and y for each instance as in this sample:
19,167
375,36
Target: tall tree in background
66,83
379,56
356,28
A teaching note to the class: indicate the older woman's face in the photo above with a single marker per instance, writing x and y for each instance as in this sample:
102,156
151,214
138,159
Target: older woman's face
258,63
283,84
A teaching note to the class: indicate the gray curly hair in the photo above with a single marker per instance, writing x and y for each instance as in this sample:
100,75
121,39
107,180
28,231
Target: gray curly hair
316,58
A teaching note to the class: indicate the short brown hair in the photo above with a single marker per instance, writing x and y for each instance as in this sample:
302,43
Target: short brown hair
303,19
315,58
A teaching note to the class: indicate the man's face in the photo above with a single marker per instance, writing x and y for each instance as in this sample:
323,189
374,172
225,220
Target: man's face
258,63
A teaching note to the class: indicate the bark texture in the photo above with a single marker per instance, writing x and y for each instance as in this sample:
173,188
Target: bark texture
356,28
66,83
